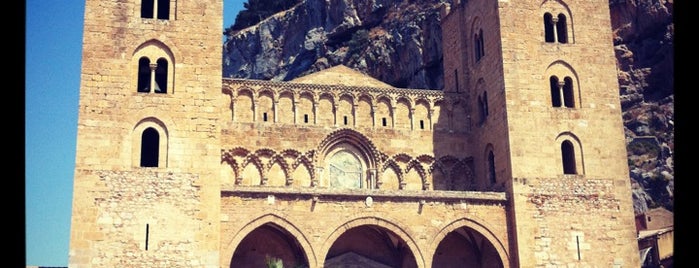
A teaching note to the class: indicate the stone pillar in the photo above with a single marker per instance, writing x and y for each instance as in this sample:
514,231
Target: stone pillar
412,121
373,116
153,67
296,104
561,84
315,181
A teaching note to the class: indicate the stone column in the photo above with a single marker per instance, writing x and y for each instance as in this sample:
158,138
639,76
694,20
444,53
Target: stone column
153,67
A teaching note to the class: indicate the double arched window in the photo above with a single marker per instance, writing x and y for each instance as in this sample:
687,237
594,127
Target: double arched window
152,77
562,94
159,9
555,28
153,63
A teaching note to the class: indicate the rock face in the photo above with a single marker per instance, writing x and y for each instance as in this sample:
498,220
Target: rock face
399,42
643,41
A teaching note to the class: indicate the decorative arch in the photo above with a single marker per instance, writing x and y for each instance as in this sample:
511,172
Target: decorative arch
384,111
350,142
364,112
305,110
243,105
421,118
286,225
403,113
264,105
345,110
415,166
255,163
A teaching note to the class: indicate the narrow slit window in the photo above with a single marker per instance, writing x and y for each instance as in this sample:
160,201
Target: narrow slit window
147,234
264,117
305,118
345,119
422,124
383,121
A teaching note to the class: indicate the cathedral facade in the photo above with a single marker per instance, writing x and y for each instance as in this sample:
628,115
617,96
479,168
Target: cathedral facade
520,161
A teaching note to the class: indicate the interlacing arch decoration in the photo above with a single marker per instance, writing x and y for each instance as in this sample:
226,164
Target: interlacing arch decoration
462,170
239,158
392,165
417,166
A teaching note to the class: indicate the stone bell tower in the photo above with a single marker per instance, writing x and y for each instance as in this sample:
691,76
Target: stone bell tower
148,135
547,125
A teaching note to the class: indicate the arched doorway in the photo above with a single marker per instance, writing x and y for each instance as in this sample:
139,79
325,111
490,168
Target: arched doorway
369,246
267,243
465,247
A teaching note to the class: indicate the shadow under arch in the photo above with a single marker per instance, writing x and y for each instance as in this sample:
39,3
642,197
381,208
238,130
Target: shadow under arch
289,230
372,222
481,230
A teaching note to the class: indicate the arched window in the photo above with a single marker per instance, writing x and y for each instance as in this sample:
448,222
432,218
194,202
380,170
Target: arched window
152,76
491,167
482,107
155,9
561,29
555,92
485,103
549,28
161,76
568,96
568,157
150,146
562,94
478,45
481,114
555,29
143,75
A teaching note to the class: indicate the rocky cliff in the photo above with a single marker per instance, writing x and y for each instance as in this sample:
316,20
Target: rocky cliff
399,43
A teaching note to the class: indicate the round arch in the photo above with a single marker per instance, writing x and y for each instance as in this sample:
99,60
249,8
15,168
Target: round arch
350,148
136,140
367,220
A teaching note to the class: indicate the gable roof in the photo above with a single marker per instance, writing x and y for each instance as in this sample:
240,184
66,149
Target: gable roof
341,75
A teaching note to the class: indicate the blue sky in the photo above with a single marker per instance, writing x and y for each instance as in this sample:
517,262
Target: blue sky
53,39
